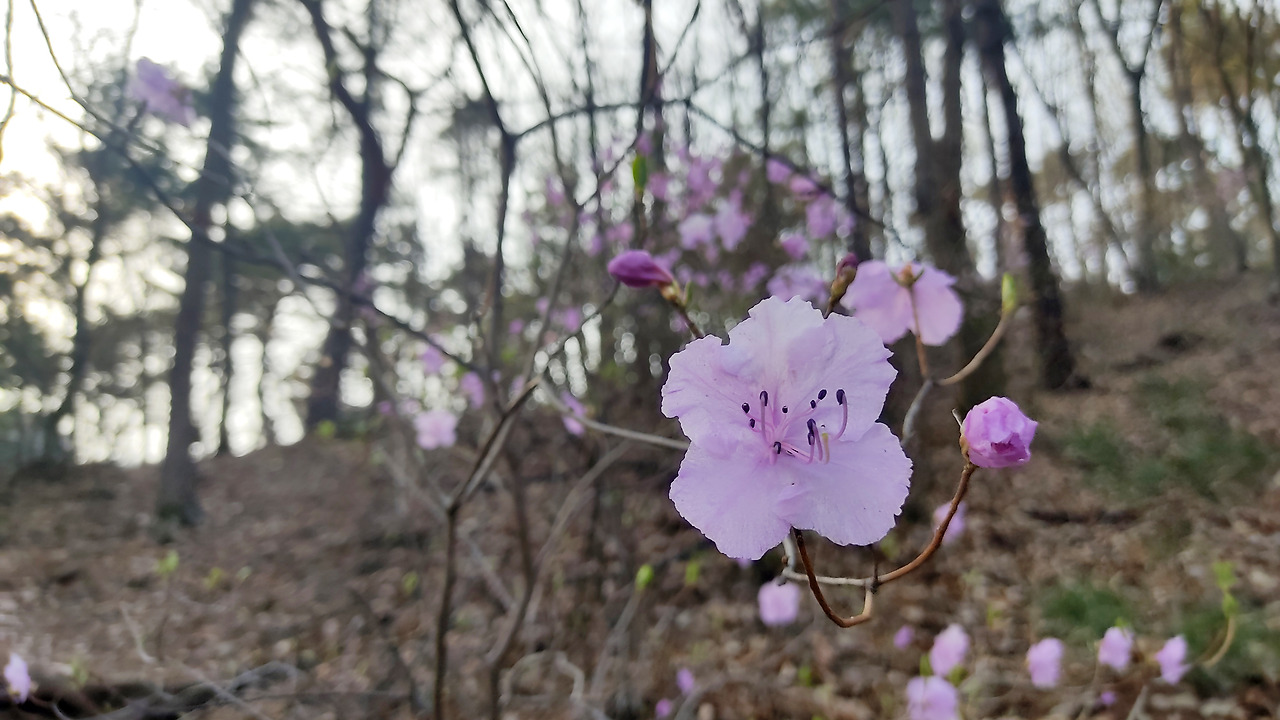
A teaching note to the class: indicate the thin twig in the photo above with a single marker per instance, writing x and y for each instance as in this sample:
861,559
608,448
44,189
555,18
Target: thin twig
816,588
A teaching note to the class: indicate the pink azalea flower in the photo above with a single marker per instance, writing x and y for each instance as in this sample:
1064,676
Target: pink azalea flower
797,281
1107,698
436,429
18,678
803,186
776,171
386,408
932,698
1173,660
660,186
783,431
473,387
956,526
638,269
876,297
701,185
998,434
1116,649
432,360
570,319
685,681
663,708
1044,662
595,245
754,275
779,604
820,217
515,327
731,225
696,230
160,93
903,637
620,234
571,423
948,650
795,244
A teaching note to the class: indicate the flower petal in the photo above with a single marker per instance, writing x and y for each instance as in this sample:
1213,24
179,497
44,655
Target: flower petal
701,393
878,300
940,308
726,496
855,498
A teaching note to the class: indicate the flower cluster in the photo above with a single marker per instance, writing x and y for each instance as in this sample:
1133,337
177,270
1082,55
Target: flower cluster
160,94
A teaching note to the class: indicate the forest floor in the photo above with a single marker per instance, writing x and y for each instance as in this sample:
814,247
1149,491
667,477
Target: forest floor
323,558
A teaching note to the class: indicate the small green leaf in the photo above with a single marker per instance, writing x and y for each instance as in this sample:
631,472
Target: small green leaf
691,572
169,565
804,676
644,576
926,669
640,172
1230,606
214,578
326,430
1224,572
410,582
1008,293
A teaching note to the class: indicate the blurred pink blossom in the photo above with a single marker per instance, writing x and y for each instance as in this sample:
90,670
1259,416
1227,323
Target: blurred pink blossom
731,225
571,423
903,637
1172,659
662,708
932,698
776,171
795,244
685,680
956,526
696,230
878,298
779,604
1044,662
1116,649
18,678
949,649
820,217
160,93
473,387
436,429
432,359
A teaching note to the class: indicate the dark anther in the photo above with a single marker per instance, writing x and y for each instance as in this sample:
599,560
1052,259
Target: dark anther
746,407
840,396
813,404
822,394
751,423
784,409
764,398
777,448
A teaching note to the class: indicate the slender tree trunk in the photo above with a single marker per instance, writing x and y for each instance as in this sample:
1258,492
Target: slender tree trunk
1223,240
227,369
375,190
1145,273
855,180
177,497
1057,365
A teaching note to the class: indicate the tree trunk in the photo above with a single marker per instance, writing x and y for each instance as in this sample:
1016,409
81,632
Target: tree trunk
855,181
177,497
375,190
1057,365
227,369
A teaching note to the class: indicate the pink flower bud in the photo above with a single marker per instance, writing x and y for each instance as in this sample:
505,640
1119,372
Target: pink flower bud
638,269
998,434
